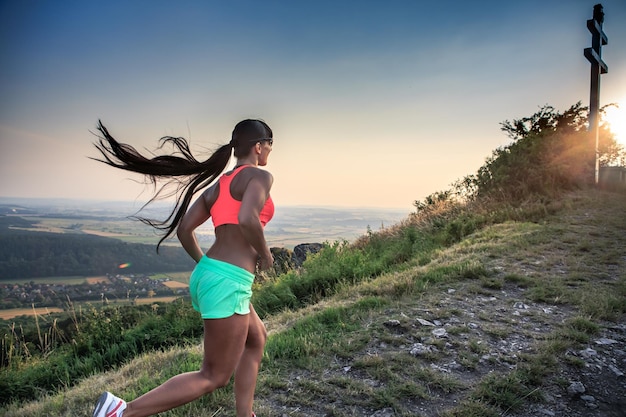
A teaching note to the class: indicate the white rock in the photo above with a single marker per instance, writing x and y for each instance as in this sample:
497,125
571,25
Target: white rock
605,341
616,371
587,353
440,332
419,349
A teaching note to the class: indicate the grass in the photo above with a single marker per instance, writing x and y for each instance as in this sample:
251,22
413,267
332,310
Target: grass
350,350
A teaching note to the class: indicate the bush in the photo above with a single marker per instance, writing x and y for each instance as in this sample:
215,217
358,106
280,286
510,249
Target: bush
107,338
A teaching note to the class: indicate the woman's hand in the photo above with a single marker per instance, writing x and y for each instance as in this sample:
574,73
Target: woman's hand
198,213
265,262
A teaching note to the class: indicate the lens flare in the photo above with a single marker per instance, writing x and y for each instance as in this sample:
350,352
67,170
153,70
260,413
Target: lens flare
616,118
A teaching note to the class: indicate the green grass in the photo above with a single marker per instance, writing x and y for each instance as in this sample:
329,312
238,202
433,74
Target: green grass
333,348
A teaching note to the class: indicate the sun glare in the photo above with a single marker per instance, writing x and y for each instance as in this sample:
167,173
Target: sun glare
616,118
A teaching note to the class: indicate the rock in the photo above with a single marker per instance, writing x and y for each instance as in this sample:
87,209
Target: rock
440,332
605,341
425,322
301,251
419,349
576,388
439,368
616,370
587,353
385,412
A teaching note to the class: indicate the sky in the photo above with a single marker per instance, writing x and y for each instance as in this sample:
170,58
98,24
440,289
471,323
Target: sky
372,103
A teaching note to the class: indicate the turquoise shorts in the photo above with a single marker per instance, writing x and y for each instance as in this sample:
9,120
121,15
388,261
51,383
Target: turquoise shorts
219,289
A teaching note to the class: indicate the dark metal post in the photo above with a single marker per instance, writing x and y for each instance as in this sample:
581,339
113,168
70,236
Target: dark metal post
598,67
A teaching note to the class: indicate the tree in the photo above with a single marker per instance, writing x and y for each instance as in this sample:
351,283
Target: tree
573,120
551,152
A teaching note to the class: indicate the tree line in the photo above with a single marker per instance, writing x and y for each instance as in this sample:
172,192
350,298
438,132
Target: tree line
28,254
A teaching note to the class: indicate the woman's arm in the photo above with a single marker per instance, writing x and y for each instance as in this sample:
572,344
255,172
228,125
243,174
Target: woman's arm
252,202
198,213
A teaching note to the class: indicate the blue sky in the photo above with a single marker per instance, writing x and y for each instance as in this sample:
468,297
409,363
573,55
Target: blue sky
372,103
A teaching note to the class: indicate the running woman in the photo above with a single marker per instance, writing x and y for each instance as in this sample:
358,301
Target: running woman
239,204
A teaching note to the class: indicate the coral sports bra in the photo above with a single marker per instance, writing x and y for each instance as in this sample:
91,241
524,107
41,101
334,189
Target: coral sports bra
225,210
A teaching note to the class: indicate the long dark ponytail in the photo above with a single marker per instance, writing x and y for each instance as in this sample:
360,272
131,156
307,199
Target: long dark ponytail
181,170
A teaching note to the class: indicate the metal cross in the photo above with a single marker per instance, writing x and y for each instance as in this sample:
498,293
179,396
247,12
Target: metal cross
598,67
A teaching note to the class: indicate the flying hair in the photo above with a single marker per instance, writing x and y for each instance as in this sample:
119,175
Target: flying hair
179,174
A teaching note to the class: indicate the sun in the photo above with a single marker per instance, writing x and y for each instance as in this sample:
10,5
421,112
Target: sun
615,116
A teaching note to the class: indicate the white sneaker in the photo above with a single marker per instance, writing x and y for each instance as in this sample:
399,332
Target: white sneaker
109,405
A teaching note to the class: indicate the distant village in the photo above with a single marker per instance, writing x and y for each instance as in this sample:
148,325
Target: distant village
109,289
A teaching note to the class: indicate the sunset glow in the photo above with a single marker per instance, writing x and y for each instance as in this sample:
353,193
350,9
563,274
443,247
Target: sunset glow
382,110
616,118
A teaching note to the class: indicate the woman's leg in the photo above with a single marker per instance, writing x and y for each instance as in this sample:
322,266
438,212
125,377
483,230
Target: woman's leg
248,367
224,341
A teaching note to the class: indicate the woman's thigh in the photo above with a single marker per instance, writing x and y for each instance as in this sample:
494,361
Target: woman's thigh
257,334
224,342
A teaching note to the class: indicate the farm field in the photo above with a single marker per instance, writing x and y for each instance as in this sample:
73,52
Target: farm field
177,277
181,277
16,312
291,225
175,284
9,314
122,229
72,280
142,301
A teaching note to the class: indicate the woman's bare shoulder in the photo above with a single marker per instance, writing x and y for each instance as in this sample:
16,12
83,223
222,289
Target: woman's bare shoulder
210,195
258,174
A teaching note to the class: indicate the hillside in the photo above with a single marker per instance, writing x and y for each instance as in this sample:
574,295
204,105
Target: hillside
40,240
518,318
32,255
